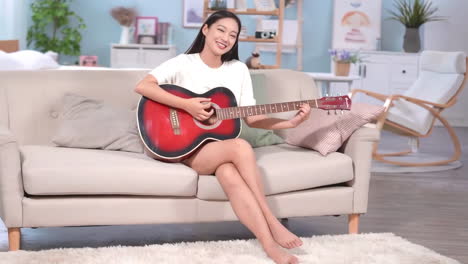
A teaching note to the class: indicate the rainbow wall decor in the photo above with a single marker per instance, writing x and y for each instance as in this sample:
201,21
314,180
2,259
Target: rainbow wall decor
356,24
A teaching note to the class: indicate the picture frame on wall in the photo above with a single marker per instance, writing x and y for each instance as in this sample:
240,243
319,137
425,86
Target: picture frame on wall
146,25
356,24
193,13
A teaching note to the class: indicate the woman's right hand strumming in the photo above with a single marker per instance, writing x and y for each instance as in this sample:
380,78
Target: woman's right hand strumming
197,108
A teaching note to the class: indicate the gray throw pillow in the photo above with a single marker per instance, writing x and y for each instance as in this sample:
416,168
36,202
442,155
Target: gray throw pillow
88,123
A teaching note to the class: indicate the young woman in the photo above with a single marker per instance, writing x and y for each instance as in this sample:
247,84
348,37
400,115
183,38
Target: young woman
213,61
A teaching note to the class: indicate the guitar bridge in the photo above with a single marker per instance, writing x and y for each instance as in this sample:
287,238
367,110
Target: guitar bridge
174,121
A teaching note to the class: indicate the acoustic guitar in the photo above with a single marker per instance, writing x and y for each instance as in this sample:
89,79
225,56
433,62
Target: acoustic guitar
171,134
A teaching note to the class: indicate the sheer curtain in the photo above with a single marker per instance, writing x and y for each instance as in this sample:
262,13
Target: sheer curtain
14,20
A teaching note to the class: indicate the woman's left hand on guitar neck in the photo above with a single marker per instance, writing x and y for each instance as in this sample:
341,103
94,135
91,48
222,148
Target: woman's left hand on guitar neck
302,115
265,122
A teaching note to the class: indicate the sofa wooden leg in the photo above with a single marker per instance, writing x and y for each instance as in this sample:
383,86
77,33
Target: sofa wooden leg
14,238
353,223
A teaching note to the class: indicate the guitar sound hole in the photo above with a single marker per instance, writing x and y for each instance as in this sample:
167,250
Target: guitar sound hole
212,120
210,123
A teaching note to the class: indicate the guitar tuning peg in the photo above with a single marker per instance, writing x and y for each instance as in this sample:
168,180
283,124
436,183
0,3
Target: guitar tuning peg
328,112
342,112
335,112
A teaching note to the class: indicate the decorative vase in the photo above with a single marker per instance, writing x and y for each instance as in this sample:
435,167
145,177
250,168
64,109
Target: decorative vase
412,41
124,35
342,68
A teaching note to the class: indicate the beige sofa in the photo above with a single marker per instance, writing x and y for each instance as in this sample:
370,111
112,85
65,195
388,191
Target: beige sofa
43,186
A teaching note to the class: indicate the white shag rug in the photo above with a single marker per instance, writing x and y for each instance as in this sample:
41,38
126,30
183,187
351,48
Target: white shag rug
381,248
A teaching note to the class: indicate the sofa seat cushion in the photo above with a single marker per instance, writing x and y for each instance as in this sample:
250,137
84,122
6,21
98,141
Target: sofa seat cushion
287,168
51,170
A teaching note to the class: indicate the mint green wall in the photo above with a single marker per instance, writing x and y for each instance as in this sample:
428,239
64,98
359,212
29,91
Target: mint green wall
102,29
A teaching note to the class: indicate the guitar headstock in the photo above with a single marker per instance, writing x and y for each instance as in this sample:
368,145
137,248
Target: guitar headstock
334,103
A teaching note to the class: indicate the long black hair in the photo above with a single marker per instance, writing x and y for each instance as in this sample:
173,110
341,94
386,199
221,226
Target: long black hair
199,42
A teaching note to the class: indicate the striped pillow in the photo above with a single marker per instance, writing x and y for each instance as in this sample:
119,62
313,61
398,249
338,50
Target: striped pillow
326,133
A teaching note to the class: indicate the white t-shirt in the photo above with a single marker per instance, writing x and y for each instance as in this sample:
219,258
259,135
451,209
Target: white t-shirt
190,72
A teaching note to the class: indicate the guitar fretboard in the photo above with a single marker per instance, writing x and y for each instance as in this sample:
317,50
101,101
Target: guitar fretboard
244,111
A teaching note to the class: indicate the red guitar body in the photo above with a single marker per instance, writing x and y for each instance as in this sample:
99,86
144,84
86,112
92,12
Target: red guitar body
171,134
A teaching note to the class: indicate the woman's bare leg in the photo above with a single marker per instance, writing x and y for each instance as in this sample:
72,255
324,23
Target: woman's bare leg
242,156
249,213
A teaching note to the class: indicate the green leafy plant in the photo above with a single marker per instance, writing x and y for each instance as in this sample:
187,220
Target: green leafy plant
413,15
52,29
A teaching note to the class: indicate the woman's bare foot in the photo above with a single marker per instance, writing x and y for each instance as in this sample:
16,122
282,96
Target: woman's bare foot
279,255
283,236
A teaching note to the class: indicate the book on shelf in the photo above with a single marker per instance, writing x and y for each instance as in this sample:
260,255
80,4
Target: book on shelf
163,34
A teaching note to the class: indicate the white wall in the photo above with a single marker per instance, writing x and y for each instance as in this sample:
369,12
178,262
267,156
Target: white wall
13,20
451,35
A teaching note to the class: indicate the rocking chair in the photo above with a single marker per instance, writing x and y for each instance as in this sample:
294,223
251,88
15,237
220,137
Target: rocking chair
441,78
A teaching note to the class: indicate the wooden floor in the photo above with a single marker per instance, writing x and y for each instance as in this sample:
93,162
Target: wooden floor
430,209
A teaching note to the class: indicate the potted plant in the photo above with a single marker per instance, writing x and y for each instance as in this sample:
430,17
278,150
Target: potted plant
52,27
343,60
412,16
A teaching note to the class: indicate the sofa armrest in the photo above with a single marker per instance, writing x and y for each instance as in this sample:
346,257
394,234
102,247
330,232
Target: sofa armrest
11,181
359,147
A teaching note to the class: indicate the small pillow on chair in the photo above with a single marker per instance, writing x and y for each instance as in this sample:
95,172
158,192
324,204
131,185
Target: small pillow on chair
88,123
326,133
443,62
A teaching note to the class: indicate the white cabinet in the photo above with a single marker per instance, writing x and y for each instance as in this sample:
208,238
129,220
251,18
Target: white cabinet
385,72
140,55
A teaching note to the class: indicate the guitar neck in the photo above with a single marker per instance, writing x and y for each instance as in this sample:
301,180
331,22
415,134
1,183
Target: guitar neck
252,110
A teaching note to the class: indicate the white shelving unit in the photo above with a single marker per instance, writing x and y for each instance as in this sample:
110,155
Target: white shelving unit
386,73
140,55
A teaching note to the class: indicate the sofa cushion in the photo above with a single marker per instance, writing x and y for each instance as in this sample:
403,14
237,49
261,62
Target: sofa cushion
288,168
90,123
69,171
